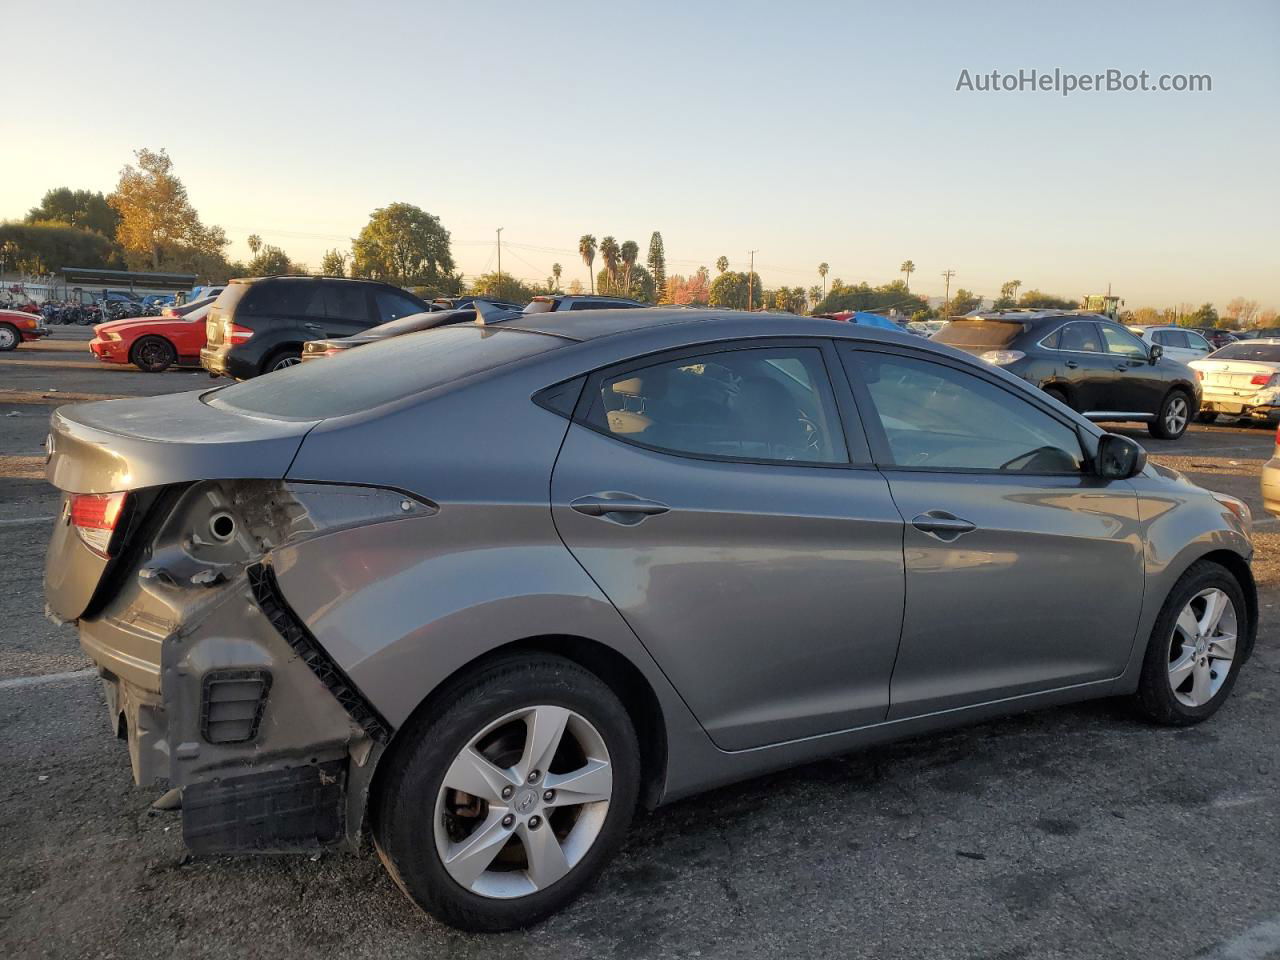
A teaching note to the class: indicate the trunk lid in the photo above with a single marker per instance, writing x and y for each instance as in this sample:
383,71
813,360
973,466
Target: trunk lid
140,445
1235,375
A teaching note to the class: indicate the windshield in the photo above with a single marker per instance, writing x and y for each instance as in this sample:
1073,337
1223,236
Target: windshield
379,373
979,334
1248,350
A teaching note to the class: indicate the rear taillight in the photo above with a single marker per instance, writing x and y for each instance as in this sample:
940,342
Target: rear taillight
1261,379
237,333
95,516
1199,374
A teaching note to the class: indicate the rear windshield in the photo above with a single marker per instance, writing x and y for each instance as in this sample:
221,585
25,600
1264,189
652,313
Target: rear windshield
1244,350
379,373
225,305
990,334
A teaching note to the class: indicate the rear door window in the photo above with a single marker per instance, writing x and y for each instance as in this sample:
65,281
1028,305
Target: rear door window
286,298
1081,337
346,301
984,334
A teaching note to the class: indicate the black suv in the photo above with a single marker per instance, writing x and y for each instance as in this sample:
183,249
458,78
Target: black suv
256,326
1087,361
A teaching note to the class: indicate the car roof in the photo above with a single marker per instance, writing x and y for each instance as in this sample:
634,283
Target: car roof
1024,316
595,324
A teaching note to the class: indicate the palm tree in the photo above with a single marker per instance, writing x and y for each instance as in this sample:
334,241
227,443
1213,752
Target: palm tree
1013,286
908,267
555,272
822,272
587,247
628,254
609,254
722,264
255,243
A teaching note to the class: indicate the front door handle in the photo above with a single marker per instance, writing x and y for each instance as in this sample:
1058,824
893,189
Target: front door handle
942,525
1071,364
313,326
618,505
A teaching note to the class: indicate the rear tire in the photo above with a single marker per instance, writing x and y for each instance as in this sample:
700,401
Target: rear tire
9,337
1058,395
1186,676
153,354
1172,418
478,860
282,359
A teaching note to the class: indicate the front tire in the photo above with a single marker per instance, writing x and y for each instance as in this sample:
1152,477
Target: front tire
9,338
153,354
501,804
1172,419
1197,645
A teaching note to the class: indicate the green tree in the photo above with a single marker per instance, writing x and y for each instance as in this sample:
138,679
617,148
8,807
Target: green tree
962,302
823,268
255,244
609,253
628,253
657,262
555,274
815,296
587,250
270,262
56,245
158,225
637,284
862,296
403,244
729,290
77,208
332,264
722,264
1204,316
1008,295
505,287
908,267
1037,300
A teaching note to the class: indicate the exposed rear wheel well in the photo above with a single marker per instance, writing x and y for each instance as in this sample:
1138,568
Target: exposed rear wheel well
618,673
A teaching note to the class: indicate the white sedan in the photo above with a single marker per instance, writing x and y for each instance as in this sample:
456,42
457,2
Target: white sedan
1242,379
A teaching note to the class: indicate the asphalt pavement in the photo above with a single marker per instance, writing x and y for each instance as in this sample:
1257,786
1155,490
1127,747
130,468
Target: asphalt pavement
1076,832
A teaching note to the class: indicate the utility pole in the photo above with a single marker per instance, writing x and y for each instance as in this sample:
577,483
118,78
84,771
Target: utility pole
751,272
500,261
947,275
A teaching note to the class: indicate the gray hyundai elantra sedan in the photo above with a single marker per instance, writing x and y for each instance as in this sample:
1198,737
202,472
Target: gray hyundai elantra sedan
484,589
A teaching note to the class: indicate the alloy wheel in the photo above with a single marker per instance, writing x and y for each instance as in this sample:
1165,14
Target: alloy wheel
1203,647
1175,417
523,802
285,362
8,339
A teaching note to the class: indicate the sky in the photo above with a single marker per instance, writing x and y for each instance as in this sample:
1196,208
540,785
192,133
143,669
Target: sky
808,131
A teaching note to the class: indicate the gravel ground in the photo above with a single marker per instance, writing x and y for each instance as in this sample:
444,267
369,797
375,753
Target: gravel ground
1073,832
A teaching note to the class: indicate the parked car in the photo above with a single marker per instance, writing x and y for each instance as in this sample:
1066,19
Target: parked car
493,586
567,301
18,327
1179,343
460,303
318,349
1242,379
1086,361
260,325
154,344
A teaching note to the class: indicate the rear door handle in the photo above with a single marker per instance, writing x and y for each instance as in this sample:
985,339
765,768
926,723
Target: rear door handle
1071,364
623,504
945,526
313,326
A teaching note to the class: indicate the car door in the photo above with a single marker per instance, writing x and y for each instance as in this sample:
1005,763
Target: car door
346,312
1080,360
1137,385
712,495
1024,572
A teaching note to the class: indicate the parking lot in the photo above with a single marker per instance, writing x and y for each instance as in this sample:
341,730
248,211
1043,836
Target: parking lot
1076,832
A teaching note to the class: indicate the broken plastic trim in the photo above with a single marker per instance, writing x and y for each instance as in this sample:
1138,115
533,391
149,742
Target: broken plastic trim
266,591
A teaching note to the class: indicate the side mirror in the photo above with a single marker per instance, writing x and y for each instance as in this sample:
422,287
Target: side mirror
1155,353
1118,458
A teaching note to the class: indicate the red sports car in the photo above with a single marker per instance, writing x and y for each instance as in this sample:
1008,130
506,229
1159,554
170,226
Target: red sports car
17,326
153,344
